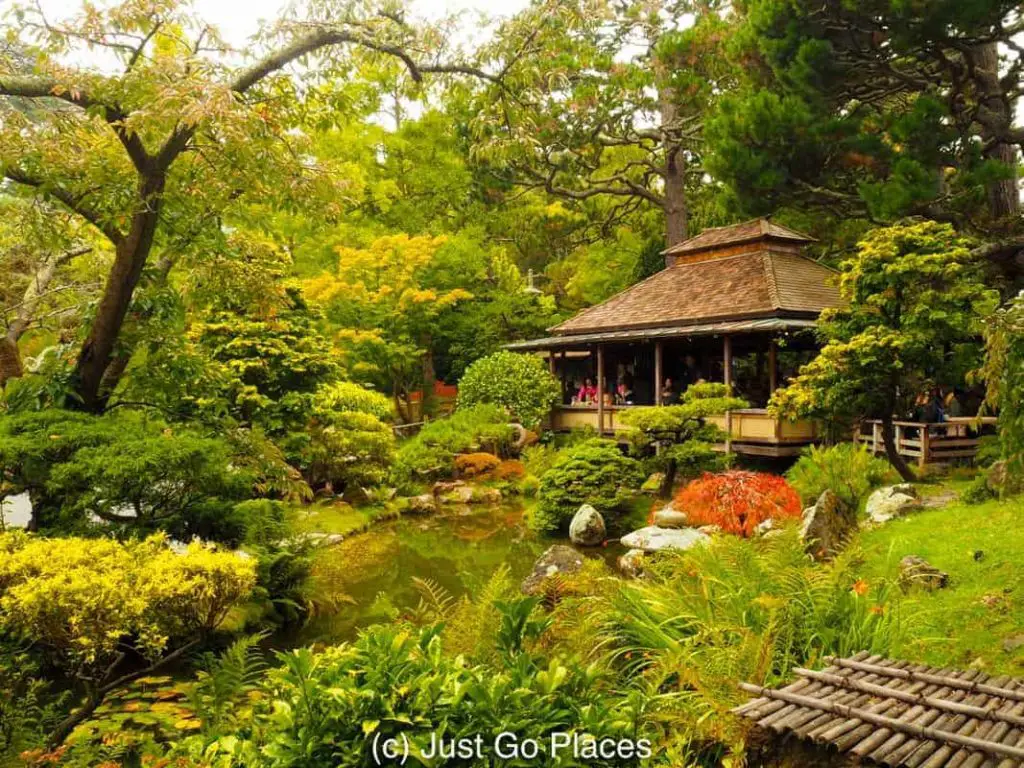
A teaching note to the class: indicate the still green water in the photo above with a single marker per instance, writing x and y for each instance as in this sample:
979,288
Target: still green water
458,549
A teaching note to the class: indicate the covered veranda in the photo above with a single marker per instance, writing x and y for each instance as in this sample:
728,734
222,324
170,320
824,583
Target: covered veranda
655,366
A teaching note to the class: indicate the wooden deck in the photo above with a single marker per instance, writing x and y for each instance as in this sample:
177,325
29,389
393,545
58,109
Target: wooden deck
930,443
751,430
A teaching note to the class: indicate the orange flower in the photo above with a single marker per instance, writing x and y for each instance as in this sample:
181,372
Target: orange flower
860,587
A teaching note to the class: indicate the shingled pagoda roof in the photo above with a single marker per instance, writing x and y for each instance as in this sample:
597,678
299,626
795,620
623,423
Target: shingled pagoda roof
750,270
876,711
748,231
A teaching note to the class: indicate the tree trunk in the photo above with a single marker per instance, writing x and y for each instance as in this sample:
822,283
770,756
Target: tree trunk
129,260
676,212
10,360
893,455
674,172
1003,194
427,399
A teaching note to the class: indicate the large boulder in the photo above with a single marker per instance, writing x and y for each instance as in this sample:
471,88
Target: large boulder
424,504
556,559
656,539
587,527
632,563
917,572
893,501
827,526
669,517
458,492
355,495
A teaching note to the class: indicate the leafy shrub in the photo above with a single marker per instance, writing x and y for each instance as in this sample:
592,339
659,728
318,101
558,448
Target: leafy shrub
1004,359
123,467
979,490
738,501
530,486
520,383
593,472
93,607
475,464
328,707
431,453
344,396
154,480
28,707
677,439
351,447
539,458
848,470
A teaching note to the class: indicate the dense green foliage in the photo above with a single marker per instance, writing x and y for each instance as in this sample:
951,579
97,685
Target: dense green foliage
867,112
593,472
849,470
916,295
125,469
519,383
738,610
231,270
325,708
1004,373
431,453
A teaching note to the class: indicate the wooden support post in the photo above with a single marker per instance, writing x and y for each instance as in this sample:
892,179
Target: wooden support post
925,447
773,367
727,360
875,434
551,361
657,372
727,377
600,389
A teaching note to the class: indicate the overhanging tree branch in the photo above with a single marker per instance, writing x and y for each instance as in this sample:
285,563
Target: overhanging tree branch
73,202
325,37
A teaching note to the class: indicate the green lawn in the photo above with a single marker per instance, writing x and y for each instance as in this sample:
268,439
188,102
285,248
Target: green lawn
981,547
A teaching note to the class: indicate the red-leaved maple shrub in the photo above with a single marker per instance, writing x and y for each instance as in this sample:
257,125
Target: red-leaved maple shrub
738,501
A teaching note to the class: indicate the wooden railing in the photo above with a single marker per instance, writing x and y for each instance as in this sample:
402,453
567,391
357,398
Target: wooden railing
742,425
929,443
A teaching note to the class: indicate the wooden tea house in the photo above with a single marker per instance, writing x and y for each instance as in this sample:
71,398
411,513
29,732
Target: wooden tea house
734,304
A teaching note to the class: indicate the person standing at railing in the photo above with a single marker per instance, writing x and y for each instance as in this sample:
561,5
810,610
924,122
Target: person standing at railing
954,410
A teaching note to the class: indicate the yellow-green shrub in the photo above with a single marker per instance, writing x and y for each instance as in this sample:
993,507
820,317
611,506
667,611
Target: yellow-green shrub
81,600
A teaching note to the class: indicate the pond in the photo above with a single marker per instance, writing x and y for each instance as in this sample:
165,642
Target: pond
458,549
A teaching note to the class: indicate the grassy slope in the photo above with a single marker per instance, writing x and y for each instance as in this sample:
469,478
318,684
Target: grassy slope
968,622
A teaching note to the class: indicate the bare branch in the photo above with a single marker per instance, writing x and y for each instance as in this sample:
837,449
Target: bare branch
324,37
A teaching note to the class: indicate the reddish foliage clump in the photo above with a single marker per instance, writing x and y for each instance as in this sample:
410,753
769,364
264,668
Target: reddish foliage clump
510,469
737,501
475,464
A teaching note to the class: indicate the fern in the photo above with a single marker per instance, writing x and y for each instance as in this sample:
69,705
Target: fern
224,682
435,601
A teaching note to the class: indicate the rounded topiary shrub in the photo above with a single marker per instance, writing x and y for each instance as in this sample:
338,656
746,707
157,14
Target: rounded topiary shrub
345,396
592,472
519,383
